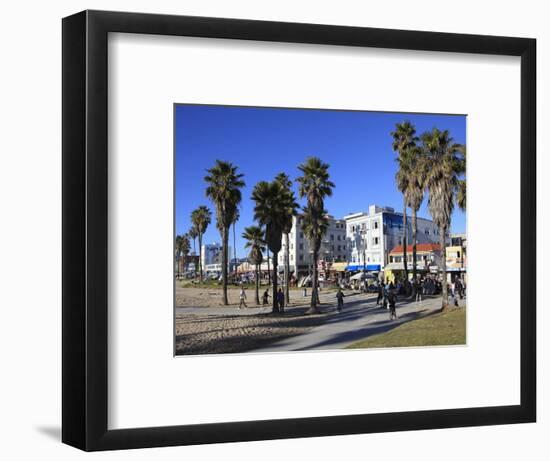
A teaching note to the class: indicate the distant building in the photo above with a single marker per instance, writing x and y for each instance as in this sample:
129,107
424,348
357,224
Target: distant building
211,257
428,260
333,246
456,255
372,236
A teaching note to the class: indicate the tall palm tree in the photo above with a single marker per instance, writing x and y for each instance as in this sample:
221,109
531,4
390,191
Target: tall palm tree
182,250
193,234
224,185
446,164
254,237
404,139
416,165
270,211
314,185
314,226
201,218
237,216
291,211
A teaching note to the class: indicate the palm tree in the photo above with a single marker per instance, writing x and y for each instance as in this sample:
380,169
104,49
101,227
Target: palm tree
315,186
237,216
416,165
314,226
404,139
291,211
201,218
254,237
224,185
182,249
446,163
193,234
270,210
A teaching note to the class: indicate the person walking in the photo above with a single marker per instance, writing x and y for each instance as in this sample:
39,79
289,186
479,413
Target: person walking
340,297
418,290
380,290
459,288
281,300
392,299
265,296
242,297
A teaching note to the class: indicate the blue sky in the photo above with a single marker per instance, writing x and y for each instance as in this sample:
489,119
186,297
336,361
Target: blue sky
266,141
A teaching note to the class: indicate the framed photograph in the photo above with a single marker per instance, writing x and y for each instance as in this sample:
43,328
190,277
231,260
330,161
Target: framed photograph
280,230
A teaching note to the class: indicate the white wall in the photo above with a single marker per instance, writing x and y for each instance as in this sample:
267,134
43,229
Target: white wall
30,191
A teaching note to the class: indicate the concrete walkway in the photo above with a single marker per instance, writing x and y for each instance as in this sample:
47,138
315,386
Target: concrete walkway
360,319
326,297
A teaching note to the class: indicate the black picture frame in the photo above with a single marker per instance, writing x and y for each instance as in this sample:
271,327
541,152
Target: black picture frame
85,218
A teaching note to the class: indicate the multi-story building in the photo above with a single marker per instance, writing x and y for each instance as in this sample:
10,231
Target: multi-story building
456,256
211,257
333,246
371,236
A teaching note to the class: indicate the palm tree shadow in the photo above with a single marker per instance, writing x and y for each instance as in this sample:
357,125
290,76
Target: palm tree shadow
373,328
53,432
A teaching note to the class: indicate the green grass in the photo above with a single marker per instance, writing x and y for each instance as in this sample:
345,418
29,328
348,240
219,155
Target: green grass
442,329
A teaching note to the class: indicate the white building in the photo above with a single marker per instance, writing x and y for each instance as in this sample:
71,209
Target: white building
211,257
371,236
333,247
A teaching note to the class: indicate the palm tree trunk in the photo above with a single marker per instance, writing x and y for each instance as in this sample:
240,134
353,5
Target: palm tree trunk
275,300
200,257
257,284
225,238
314,293
444,294
234,249
405,239
287,268
195,252
268,269
414,231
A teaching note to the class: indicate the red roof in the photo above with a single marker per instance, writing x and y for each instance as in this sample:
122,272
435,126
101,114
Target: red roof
419,247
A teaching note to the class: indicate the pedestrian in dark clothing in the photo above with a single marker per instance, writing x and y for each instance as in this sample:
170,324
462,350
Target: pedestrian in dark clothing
392,298
281,300
380,294
265,297
340,298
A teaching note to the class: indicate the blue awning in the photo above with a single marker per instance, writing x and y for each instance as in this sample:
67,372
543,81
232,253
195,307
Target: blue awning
361,267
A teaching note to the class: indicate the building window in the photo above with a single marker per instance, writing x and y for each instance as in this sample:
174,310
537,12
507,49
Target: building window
339,238
301,246
332,237
301,257
292,257
375,241
339,247
301,235
376,224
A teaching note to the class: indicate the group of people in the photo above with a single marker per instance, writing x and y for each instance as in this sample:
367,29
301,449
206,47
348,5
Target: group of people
387,295
265,298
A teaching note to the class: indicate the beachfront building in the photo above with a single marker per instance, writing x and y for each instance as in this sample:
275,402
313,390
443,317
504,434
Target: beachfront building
372,235
456,257
333,246
428,259
211,257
